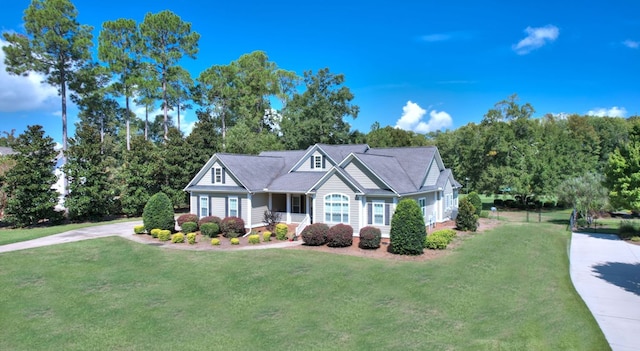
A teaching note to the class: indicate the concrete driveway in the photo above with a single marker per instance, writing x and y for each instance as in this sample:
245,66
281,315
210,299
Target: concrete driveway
606,273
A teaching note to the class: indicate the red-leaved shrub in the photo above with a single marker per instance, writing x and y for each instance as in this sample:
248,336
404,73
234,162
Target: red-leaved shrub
210,219
369,238
232,227
187,217
315,234
340,235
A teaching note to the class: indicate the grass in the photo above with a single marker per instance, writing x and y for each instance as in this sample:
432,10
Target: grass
9,236
504,289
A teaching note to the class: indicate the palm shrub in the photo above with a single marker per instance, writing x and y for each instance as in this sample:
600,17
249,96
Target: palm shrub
158,213
189,227
407,229
187,217
210,229
369,238
340,235
475,201
315,234
467,218
232,227
281,231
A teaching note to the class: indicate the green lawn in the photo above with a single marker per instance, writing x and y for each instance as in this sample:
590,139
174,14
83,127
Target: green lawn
9,236
501,290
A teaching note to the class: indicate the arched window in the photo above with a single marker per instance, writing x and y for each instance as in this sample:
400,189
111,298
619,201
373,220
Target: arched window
336,208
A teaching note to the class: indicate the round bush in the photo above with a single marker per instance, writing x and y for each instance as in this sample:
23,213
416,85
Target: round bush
254,239
281,231
467,218
435,241
164,235
187,217
315,234
340,235
139,229
189,227
210,229
215,241
154,232
475,201
369,238
177,238
235,241
407,229
232,227
191,238
266,236
158,213
209,219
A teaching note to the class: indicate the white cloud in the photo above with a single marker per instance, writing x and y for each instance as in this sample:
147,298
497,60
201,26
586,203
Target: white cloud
436,37
536,38
632,44
412,119
18,93
615,111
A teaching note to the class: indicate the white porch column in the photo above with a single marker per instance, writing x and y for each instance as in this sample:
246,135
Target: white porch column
363,212
315,209
307,205
249,206
288,220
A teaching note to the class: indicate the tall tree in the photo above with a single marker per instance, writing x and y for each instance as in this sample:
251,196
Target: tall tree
30,198
585,193
317,115
180,88
166,39
119,47
215,93
55,45
622,173
140,176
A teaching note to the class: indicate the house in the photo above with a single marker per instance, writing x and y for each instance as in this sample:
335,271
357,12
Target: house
352,184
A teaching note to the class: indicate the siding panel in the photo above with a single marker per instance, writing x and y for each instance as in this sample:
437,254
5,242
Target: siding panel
432,174
336,185
363,176
260,202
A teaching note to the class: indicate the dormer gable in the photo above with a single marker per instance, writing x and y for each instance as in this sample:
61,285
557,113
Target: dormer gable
314,160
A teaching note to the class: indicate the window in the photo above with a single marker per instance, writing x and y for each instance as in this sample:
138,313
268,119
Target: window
336,208
422,202
378,212
233,207
295,204
204,206
217,175
318,161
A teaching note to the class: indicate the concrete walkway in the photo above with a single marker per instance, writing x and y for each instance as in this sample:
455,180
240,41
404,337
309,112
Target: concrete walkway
124,230
606,273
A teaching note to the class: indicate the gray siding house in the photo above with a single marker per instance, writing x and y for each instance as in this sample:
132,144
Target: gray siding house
352,184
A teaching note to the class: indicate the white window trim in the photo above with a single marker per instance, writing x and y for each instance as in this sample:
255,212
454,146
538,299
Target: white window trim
215,175
317,161
206,201
422,202
230,208
376,203
294,199
342,213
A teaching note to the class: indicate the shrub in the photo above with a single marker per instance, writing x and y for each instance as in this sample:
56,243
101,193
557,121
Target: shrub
498,202
447,233
189,227
582,222
235,241
484,214
177,238
139,229
281,231
232,227
467,218
209,219
436,242
627,229
315,234
475,200
164,235
270,219
210,229
266,236
635,239
158,213
340,235
215,241
369,238
154,232
254,239
191,238
407,229
187,217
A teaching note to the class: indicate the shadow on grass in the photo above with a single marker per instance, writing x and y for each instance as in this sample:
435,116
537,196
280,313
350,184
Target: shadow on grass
558,221
624,275
607,231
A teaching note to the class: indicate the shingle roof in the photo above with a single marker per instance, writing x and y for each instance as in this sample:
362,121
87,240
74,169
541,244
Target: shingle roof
390,171
290,157
415,161
254,172
339,152
295,182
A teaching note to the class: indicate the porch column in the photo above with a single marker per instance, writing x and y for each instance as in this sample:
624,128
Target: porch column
270,202
249,206
288,208
307,205
315,209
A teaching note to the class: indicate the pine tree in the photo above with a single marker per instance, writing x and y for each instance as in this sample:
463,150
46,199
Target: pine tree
30,198
467,218
140,176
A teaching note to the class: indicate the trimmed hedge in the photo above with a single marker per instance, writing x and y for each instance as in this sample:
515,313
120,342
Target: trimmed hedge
235,241
232,227
439,239
177,238
189,227
164,235
254,239
139,229
209,219
191,238
281,231
315,234
187,217
266,236
369,238
154,232
158,213
215,241
210,229
407,229
340,235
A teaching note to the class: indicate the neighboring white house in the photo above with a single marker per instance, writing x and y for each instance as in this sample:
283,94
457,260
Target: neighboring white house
351,184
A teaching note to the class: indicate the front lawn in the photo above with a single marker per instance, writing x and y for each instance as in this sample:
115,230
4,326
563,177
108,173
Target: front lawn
504,289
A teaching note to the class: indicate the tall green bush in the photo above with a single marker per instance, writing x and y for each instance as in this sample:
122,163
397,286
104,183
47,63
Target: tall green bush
467,218
407,229
475,201
158,213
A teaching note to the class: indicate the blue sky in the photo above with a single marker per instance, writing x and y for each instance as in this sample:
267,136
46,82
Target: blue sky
418,65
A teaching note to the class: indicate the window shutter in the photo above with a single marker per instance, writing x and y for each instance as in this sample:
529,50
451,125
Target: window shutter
198,207
311,159
369,213
386,214
224,171
226,208
213,175
239,207
324,163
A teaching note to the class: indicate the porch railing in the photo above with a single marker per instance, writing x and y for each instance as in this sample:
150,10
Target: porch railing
303,224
